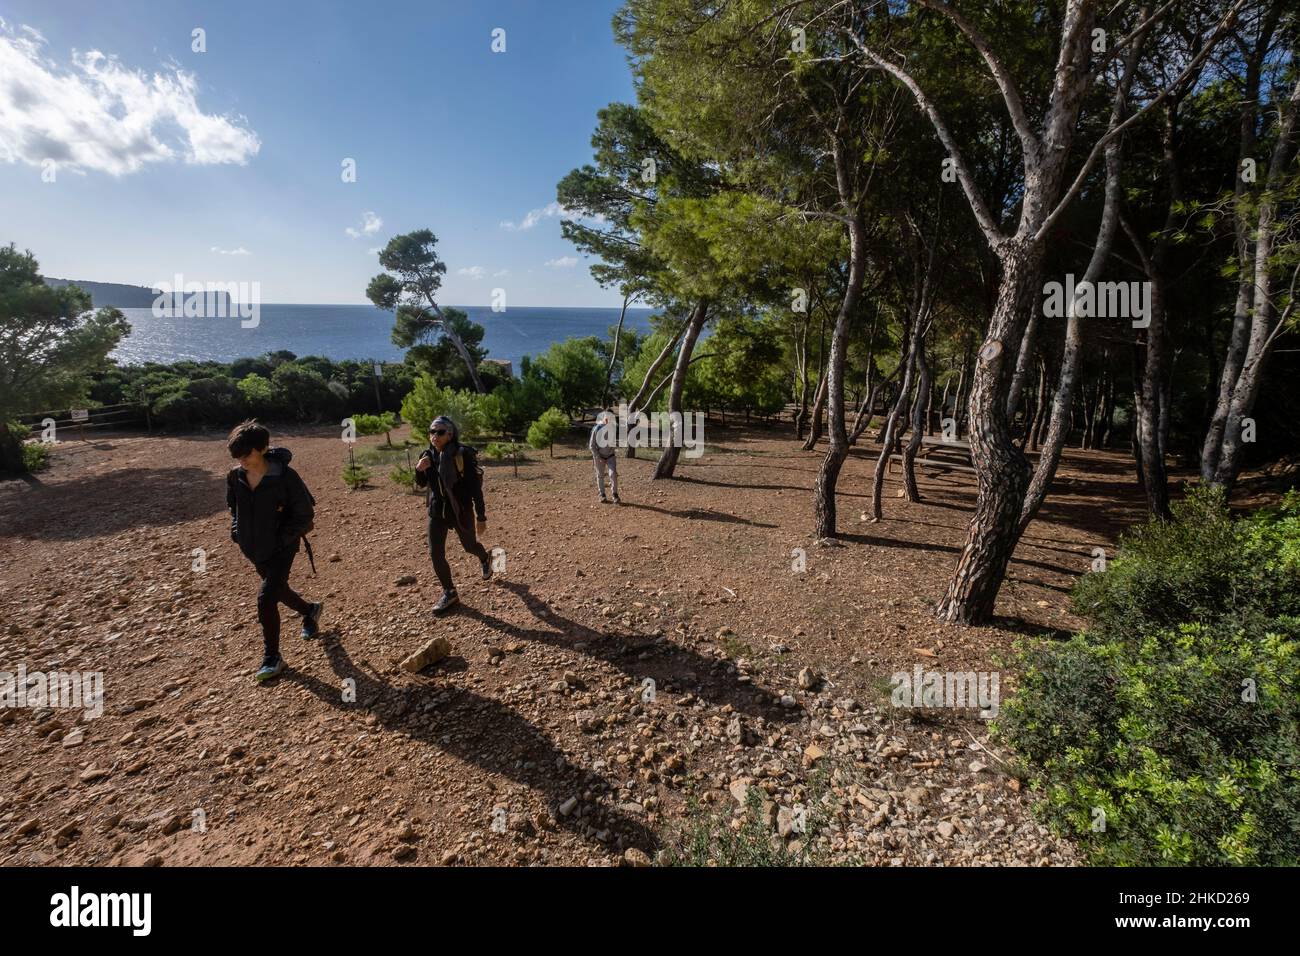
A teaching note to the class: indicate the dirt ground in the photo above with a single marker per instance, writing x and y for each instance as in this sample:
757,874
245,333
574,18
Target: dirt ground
538,741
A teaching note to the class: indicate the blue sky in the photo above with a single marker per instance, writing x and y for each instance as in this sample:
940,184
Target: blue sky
225,165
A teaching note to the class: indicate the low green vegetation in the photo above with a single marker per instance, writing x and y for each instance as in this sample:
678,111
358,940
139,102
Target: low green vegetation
721,839
1168,731
355,475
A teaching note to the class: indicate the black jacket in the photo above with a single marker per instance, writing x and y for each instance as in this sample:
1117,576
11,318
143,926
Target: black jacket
466,484
270,518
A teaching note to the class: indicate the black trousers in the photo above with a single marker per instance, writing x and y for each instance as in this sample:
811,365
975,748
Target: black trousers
438,528
275,591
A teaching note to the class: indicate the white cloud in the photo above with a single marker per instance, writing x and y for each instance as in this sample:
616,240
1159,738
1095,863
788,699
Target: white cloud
241,251
370,224
474,272
501,272
564,262
534,216
95,114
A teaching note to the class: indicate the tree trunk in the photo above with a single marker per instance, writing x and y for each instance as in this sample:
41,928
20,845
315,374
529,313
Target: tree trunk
870,386
1252,331
459,346
819,407
918,427
1040,403
613,359
801,357
1002,471
828,475
668,458
1061,418
868,408
960,411
634,406
889,431
928,422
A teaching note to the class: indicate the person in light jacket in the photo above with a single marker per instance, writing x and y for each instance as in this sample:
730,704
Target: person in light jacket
604,456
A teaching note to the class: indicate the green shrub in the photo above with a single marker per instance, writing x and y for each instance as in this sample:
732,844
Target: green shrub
500,450
12,436
1168,732
259,397
426,401
211,400
376,425
548,429
709,838
355,476
1201,566
522,401
573,371
303,392
36,456
401,475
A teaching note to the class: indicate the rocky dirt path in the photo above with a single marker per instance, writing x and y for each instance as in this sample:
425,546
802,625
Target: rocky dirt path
538,740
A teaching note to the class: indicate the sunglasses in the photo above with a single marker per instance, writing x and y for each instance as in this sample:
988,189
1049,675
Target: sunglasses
437,431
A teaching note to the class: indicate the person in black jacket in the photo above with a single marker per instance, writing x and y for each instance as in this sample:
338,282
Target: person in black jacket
270,510
450,471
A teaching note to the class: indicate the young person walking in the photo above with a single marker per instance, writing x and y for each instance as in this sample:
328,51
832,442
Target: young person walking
270,511
451,473
604,456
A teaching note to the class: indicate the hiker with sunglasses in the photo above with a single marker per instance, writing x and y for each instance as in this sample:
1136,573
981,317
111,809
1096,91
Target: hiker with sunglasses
451,472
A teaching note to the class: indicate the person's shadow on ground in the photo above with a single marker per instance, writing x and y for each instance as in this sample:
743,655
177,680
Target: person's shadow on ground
641,656
487,734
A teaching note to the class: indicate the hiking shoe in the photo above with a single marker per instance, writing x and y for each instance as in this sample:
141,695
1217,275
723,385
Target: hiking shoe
487,569
271,667
448,600
604,500
618,500
311,621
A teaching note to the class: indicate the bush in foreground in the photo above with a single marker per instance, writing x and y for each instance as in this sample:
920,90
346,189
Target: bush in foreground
1168,732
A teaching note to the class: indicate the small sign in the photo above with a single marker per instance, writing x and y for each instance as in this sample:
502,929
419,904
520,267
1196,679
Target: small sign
80,414
379,370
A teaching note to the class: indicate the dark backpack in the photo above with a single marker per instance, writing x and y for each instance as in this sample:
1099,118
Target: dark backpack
311,525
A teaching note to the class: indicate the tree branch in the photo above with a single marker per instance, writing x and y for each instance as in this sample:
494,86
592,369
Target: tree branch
1015,106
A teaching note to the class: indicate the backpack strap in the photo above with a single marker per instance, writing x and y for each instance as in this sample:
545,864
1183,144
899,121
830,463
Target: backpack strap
460,463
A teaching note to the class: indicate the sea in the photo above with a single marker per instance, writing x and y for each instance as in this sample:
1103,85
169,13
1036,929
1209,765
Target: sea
351,332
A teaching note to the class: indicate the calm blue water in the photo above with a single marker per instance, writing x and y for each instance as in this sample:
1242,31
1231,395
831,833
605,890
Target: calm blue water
350,332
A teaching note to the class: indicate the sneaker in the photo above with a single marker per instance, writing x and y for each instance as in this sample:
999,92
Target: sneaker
618,500
604,500
446,602
487,569
271,667
311,621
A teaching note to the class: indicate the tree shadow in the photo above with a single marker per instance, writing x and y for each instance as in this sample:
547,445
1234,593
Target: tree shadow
699,514
117,501
479,731
749,487
896,543
1019,625
640,656
948,548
